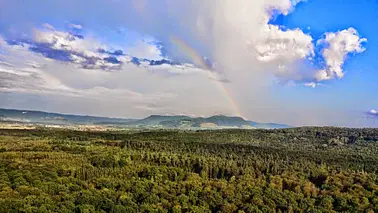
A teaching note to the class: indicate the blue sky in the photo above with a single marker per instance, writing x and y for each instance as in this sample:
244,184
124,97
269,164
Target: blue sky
356,91
312,63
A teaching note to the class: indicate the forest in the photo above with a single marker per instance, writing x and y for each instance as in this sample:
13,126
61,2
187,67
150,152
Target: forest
309,169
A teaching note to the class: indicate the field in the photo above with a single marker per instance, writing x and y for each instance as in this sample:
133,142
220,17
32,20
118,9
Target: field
288,170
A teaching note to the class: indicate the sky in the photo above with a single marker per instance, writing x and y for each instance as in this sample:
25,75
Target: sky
287,61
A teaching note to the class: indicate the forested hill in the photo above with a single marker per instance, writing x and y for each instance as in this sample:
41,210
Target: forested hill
286,170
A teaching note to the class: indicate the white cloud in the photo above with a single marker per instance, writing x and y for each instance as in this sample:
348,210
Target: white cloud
3,43
48,26
283,46
146,49
310,84
65,41
3,63
337,46
373,112
76,26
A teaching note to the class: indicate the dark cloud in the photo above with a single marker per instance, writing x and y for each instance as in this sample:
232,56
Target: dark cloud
112,60
13,80
135,61
14,42
209,63
115,53
49,52
221,79
18,42
160,62
139,61
78,36
101,51
224,80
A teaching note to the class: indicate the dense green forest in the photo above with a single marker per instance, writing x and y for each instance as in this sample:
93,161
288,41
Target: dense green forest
288,170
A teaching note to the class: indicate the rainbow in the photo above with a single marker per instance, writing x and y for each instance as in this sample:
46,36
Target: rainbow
199,61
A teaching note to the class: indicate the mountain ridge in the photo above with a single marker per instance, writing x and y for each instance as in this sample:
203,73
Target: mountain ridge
160,121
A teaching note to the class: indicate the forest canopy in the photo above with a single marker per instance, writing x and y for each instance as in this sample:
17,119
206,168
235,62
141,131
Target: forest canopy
289,170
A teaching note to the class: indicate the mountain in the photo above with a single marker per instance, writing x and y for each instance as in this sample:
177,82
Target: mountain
188,122
55,118
218,121
159,121
268,125
222,120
